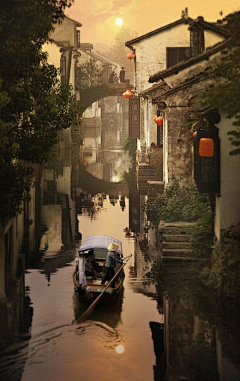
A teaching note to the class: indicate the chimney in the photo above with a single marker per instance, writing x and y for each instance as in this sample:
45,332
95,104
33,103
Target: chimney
184,14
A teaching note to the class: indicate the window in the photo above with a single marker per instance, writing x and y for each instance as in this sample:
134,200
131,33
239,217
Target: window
176,55
134,117
197,41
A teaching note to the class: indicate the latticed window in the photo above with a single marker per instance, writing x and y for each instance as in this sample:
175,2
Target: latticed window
196,40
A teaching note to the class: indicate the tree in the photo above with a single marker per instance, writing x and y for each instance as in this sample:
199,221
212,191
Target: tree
34,105
91,74
224,91
119,51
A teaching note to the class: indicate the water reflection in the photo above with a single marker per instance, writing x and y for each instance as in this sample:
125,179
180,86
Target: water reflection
165,324
49,265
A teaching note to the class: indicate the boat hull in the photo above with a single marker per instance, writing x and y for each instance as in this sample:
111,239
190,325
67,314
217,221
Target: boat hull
93,288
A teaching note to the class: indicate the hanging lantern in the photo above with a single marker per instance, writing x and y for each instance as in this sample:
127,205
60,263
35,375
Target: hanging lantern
127,93
206,147
131,55
158,120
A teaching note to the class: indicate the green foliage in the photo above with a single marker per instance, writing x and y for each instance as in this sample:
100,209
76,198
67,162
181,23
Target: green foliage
34,106
224,275
130,147
91,74
224,91
177,204
202,234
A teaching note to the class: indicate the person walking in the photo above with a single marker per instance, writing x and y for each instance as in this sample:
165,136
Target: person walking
110,263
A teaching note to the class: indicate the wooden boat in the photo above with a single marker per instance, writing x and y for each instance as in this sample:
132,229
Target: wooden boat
93,287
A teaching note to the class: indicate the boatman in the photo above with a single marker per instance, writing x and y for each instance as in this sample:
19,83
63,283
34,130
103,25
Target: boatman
110,263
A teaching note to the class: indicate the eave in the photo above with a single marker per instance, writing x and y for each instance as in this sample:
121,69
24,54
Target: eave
130,43
191,61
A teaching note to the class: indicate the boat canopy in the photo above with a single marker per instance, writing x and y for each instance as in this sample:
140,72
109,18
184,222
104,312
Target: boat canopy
99,242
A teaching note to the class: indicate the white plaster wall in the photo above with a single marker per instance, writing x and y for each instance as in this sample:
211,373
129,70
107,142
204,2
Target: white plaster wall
211,38
151,52
228,204
66,32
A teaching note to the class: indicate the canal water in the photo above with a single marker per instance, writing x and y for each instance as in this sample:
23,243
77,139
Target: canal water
164,326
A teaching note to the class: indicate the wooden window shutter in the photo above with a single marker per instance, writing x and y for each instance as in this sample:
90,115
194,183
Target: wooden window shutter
176,55
134,117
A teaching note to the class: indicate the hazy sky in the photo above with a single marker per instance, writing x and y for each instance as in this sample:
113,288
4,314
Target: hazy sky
98,16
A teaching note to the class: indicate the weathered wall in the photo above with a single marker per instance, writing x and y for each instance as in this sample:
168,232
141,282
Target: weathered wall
65,33
228,202
151,53
179,160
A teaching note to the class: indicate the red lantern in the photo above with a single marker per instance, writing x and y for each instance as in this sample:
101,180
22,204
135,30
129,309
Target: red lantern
127,93
131,55
206,147
159,120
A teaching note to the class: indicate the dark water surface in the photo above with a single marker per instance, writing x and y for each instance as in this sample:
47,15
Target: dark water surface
59,348
164,325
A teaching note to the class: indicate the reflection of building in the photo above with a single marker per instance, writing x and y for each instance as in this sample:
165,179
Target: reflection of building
105,129
58,210
21,236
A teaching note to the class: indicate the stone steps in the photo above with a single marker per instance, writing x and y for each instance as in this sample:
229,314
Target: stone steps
177,237
146,174
176,240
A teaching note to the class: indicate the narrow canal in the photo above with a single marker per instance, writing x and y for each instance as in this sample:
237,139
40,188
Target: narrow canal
112,344
164,325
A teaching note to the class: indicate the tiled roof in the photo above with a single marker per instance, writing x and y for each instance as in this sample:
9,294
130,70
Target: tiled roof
214,27
158,86
184,64
159,30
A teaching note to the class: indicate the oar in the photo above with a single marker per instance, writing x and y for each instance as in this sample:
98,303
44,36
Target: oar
90,309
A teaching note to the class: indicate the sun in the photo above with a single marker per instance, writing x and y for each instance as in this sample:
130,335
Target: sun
118,21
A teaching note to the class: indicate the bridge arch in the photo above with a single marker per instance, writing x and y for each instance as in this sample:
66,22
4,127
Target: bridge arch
92,94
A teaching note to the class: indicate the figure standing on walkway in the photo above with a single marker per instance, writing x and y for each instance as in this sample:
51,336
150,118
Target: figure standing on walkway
122,74
115,78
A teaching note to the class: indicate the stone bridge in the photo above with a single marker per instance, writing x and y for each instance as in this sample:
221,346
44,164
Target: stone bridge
93,94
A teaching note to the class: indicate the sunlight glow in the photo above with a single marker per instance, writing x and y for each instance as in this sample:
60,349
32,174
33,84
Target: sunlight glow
120,349
118,21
